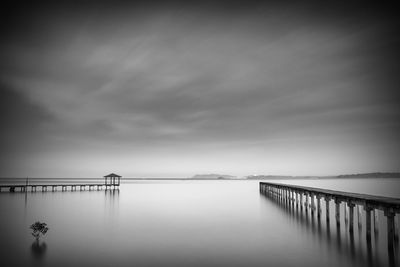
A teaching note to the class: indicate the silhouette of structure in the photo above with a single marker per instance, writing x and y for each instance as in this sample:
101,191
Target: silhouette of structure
110,181
113,181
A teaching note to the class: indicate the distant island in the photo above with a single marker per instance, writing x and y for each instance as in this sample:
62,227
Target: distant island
358,175
213,176
371,175
282,177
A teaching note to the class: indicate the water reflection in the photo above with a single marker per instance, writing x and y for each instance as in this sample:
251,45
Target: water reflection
112,196
38,250
111,202
345,245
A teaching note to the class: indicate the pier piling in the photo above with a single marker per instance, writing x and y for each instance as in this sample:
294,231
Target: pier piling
301,200
337,211
368,222
376,224
390,226
312,204
396,229
319,206
327,201
351,216
306,206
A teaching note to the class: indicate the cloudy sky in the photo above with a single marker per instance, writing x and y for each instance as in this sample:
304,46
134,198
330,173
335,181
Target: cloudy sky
166,89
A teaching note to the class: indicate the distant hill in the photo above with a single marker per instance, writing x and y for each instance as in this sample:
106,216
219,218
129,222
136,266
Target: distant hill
278,177
213,176
371,175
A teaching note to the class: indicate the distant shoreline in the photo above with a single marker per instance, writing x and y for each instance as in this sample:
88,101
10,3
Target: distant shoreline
375,175
372,175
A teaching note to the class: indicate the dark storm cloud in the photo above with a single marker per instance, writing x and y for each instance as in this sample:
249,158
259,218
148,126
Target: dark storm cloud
183,80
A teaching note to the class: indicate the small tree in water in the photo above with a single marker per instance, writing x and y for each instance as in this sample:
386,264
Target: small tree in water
39,229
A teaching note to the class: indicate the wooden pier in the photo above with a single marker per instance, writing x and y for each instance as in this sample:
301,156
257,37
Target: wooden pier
305,198
111,181
54,187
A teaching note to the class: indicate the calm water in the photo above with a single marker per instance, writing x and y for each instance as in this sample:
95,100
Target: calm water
185,223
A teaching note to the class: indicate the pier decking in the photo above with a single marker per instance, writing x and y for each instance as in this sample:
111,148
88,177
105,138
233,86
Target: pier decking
309,199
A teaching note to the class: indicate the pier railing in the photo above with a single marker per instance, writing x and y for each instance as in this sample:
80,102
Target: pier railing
309,198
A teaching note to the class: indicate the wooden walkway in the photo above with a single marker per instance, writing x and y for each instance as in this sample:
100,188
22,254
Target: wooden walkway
309,198
54,187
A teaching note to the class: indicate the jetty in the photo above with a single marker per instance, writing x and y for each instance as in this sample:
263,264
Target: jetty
309,199
111,181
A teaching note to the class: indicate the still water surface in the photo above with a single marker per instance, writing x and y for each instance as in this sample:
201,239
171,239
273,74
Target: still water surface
185,223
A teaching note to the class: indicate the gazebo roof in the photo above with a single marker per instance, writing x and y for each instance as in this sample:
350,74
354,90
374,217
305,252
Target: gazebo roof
113,175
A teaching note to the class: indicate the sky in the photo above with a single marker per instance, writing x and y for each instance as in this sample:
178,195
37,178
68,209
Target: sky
174,89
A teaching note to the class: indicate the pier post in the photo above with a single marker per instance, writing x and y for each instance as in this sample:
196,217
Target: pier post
327,200
312,204
312,195
337,211
359,216
306,205
368,222
376,224
396,229
318,206
390,226
284,196
351,216
292,201
301,200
